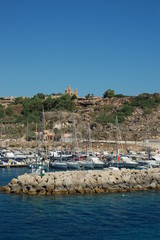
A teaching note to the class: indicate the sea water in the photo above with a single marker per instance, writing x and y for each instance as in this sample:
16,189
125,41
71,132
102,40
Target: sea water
93,216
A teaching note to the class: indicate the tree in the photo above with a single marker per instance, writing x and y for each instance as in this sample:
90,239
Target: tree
1,113
89,96
74,97
109,93
40,96
19,100
9,111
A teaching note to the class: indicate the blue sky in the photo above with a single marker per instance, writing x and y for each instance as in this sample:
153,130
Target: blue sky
91,45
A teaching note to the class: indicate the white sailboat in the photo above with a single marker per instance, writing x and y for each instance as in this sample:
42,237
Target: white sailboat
97,162
86,163
59,163
38,168
72,164
115,163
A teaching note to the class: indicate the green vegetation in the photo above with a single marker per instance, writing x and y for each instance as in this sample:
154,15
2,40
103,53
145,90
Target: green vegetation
119,95
109,93
145,101
126,110
14,131
1,111
16,115
32,108
40,96
9,111
88,96
62,103
73,97
19,100
104,119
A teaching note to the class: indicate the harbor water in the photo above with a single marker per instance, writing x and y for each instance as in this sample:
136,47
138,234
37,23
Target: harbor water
87,217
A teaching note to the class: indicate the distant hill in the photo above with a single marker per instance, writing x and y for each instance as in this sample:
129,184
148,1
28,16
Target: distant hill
138,116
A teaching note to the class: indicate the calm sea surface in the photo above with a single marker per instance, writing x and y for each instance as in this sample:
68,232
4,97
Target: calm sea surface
101,216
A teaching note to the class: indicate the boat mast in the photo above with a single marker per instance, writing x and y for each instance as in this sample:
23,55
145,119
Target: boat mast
61,134
55,132
36,137
86,139
117,140
89,138
42,128
1,134
73,134
36,144
42,142
27,131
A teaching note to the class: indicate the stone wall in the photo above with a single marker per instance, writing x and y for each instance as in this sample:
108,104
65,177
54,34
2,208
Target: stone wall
80,182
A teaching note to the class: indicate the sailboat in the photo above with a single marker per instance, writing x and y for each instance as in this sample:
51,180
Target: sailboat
86,163
116,162
123,161
97,163
71,163
38,168
59,164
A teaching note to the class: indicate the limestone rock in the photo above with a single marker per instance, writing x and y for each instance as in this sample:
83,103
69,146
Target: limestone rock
31,191
15,188
80,182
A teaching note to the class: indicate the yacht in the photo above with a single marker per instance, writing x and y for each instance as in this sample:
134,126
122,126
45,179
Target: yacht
86,164
73,165
128,162
97,162
58,164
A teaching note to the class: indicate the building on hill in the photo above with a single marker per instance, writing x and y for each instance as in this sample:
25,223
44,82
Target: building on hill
71,92
5,101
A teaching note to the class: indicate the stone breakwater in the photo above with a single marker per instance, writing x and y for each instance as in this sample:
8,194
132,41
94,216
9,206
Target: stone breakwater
80,182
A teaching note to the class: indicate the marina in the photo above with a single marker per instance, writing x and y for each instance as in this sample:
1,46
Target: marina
68,160
80,120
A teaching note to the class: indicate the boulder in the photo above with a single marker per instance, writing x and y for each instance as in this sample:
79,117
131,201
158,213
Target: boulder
7,189
31,191
79,190
88,190
15,188
25,190
80,182
14,181
99,190
41,191
153,185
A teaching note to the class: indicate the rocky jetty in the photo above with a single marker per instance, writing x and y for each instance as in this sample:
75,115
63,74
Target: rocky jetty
81,182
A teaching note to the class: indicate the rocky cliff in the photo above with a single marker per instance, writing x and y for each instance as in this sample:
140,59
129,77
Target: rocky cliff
138,125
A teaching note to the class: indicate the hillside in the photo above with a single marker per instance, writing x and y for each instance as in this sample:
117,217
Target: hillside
94,118
136,126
